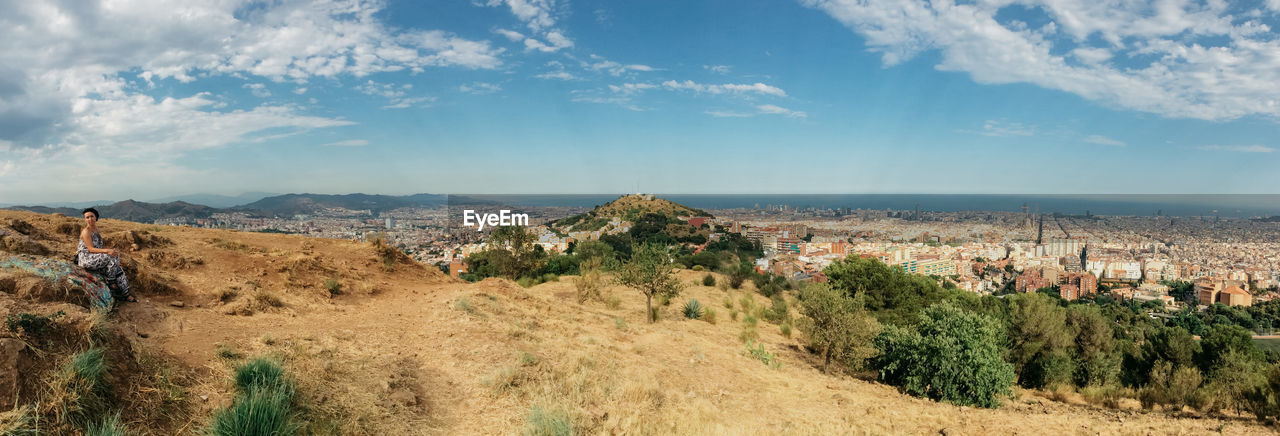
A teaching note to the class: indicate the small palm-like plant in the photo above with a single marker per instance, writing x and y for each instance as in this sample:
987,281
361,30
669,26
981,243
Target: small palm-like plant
693,309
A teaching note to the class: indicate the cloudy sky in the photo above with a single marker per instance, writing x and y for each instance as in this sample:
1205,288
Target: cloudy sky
146,99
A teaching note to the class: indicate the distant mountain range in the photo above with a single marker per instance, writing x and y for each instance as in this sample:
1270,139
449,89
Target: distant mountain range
215,200
286,205
130,210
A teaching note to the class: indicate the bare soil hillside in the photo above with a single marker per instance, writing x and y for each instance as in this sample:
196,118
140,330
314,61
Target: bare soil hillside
378,344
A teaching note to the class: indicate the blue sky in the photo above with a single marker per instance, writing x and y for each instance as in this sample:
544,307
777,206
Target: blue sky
151,99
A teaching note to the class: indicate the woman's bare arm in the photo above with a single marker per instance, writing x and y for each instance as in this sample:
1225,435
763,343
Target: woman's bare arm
87,238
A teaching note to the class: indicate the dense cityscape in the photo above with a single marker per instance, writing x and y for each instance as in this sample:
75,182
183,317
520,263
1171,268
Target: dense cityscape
1128,257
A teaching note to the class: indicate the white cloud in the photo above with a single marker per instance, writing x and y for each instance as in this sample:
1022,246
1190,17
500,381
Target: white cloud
300,90
757,88
70,93
1237,148
479,88
723,69
538,15
1103,140
510,34
1176,59
631,88
617,69
258,90
1003,128
620,101
534,13
730,114
349,143
397,96
777,110
557,75
764,109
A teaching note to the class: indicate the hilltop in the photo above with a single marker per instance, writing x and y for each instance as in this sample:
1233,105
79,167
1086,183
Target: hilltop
631,208
378,344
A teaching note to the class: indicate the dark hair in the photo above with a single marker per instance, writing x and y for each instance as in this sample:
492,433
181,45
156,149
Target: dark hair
95,212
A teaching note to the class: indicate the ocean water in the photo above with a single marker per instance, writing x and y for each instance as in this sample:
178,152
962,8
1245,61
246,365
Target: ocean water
1225,205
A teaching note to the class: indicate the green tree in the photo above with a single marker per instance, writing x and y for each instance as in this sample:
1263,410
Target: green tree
894,296
950,355
1221,340
1039,341
1235,376
1096,349
1170,385
1264,399
836,326
650,272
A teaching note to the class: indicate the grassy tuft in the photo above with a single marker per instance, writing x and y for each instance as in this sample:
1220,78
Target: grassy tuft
78,390
262,373
544,422
110,425
258,412
613,302
709,316
21,421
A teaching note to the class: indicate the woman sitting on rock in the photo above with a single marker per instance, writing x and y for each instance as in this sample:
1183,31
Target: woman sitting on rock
105,261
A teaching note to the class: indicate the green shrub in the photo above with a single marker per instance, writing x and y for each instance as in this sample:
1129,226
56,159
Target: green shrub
693,309
31,324
526,282
778,312
258,412
698,268
756,351
709,316
226,352
951,355
333,286
749,333
709,280
785,329
543,422
735,281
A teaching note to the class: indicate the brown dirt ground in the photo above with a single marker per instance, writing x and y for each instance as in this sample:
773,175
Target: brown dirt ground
412,351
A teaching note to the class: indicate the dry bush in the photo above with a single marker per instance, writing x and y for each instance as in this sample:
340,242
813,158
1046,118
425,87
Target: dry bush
69,228
386,253
171,260
22,244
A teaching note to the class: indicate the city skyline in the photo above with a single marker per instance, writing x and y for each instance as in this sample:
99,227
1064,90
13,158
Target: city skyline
526,96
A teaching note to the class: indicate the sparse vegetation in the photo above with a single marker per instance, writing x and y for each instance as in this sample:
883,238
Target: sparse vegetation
756,351
650,272
590,281
334,287
547,422
31,324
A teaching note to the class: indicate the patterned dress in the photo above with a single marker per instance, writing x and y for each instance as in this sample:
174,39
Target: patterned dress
105,264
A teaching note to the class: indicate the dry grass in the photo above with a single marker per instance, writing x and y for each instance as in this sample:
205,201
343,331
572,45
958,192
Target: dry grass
393,355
